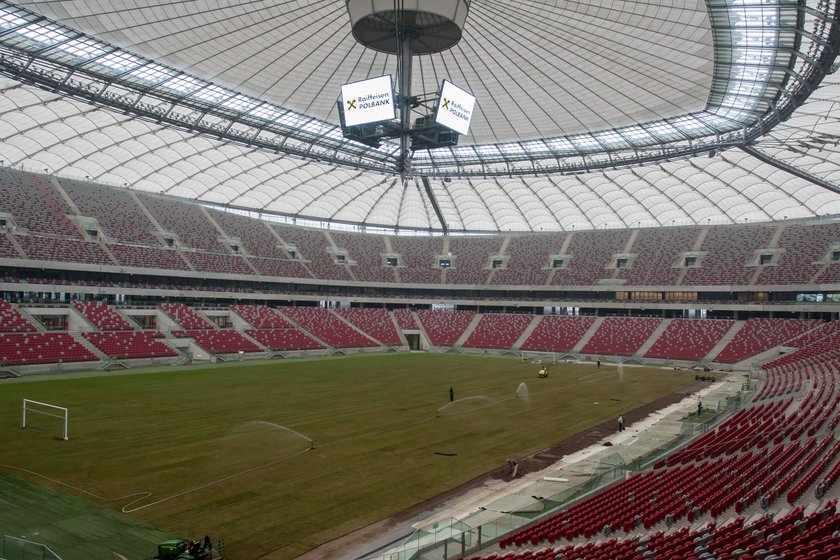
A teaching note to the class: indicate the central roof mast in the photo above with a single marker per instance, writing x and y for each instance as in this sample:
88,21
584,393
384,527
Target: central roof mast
406,28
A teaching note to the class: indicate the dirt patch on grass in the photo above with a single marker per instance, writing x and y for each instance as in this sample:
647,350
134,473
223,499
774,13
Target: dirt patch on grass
358,543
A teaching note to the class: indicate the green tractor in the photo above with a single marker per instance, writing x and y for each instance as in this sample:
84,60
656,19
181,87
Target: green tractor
181,549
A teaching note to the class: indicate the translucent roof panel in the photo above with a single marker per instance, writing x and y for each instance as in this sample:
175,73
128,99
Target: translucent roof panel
538,69
590,114
66,137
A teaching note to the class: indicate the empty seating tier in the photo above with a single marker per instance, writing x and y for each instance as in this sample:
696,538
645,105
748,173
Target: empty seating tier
120,216
758,335
590,256
284,339
41,348
312,245
102,317
367,253
729,255
444,328
219,341
376,323
405,319
64,250
186,221
12,320
557,333
123,345
471,259
34,204
327,326
498,330
148,257
621,336
185,316
689,339
261,317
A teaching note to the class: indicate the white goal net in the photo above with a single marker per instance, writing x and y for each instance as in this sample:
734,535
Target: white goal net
534,357
41,408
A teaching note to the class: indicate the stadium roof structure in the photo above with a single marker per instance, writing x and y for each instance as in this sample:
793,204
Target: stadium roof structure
590,114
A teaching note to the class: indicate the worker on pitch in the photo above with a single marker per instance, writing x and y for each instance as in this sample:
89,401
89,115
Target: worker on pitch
451,394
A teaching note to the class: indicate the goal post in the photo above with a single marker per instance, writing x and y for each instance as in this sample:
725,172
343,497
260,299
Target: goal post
533,356
46,409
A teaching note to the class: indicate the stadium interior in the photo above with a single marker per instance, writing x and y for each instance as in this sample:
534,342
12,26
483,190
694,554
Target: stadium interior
642,183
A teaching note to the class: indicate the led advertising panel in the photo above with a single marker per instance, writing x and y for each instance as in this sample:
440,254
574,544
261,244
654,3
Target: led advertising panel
368,101
455,108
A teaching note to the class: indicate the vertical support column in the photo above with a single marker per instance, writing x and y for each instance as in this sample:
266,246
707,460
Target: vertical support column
406,42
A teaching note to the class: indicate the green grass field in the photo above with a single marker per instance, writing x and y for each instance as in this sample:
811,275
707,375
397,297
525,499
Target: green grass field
224,449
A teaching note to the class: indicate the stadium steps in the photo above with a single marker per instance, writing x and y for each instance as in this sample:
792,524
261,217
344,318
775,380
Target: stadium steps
107,251
585,338
643,349
77,336
763,357
299,327
32,320
256,342
527,332
66,197
425,336
725,340
357,329
468,331
77,315
14,242
397,328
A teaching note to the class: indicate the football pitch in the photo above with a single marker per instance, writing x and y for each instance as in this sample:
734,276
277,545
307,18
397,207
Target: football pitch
279,457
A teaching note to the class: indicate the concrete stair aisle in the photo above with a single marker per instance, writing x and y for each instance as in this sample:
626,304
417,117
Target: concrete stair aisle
527,332
585,338
643,349
357,329
726,339
425,336
468,331
300,328
77,336
400,333
256,342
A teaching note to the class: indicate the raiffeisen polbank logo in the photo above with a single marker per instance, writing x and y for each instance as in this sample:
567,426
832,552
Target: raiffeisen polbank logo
456,109
369,101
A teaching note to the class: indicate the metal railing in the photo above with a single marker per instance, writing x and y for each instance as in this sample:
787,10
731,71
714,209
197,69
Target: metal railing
13,548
